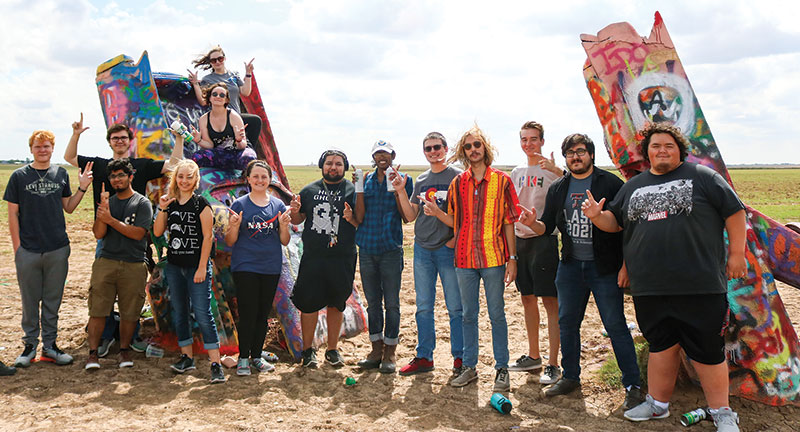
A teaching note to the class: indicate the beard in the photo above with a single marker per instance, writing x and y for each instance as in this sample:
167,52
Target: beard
332,178
580,170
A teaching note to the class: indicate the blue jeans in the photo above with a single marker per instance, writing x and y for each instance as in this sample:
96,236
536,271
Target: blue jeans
182,289
427,264
575,280
469,284
380,276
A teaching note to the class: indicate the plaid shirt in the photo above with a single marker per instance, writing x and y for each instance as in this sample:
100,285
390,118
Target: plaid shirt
480,210
382,228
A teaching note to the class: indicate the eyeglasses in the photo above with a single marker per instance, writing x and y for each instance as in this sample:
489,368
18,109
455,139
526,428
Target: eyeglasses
117,176
435,147
219,59
476,144
219,95
120,138
580,152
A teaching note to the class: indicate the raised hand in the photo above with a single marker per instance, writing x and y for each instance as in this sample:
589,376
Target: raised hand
85,178
294,206
590,207
284,219
549,164
240,135
192,77
248,66
429,207
348,213
77,127
164,201
104,195
196,135
234,219
527,217
398,180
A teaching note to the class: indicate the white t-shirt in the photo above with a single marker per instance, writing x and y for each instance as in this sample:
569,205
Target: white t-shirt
531,183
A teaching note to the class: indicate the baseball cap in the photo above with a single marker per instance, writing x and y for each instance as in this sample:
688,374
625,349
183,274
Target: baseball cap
382,145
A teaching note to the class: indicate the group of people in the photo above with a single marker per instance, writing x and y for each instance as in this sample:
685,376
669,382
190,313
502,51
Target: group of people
661,234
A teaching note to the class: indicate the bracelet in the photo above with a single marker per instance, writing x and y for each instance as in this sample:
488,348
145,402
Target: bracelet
82,190
248,75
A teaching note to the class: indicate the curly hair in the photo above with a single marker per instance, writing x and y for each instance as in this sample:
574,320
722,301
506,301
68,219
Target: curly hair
42,135
207,93
653,128
204,60
460,155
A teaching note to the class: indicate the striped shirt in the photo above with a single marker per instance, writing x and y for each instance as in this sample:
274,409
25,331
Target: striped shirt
480,210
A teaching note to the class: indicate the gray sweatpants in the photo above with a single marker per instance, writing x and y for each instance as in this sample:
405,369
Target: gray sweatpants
41,278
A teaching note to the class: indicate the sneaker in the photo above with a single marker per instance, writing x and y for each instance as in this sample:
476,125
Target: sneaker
243,367
217,375
550,375
183,364
334,358
310,358
647,410
27,356
262,365
92,362
125,359
269,356
54,355
139,345
562,387
725,420
633,397
526,363
105,346
502,383
468,374
7,370
458,366
417,365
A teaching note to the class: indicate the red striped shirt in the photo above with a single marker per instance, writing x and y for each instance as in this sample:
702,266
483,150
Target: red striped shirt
480,209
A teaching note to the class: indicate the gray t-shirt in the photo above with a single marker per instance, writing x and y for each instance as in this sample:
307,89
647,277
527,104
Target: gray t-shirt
673,230
430,232
232,80
578,225
41,212
135,211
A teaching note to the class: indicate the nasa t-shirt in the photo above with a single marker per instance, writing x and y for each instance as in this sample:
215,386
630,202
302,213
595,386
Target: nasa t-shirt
258,248
325,230
184,232
673,230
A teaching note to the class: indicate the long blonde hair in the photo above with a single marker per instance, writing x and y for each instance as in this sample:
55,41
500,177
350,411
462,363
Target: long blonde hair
194,171
459,155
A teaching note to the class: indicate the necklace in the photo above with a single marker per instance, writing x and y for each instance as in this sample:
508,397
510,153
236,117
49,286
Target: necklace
41,177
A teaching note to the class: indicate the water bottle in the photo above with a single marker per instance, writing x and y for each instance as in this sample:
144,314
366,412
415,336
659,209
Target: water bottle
359,174
500,403
389,185
178,127
694,417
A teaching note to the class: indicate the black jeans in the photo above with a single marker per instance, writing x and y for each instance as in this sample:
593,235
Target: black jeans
255,293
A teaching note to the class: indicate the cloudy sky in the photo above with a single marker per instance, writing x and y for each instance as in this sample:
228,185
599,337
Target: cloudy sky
345,73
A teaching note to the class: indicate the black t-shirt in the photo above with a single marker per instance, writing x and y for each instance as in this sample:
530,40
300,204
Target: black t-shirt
144,170
184,231
323,221
673,230
41,212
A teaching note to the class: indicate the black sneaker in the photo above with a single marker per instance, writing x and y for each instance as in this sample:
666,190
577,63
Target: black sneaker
7,370
562,387
309,358
633,397
334,358
217,375
183,364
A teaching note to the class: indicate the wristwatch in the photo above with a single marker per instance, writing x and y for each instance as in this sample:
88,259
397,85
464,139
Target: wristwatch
514,257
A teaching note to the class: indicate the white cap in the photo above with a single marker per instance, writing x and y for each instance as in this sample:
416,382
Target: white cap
382,145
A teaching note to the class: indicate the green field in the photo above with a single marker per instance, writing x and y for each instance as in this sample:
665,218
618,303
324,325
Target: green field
772,191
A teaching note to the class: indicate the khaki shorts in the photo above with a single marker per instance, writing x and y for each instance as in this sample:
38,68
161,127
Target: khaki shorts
117,280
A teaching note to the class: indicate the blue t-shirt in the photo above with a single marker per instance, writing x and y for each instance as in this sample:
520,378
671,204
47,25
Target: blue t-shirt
258,249
578,225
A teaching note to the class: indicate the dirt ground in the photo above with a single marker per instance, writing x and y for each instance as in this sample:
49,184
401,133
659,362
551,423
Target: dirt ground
150,397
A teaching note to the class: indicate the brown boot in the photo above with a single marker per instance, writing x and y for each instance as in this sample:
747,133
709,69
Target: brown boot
389,359
373,360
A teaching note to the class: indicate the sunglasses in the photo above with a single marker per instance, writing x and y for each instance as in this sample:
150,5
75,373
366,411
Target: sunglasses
435,147
219,59
120,138
476,144
219,94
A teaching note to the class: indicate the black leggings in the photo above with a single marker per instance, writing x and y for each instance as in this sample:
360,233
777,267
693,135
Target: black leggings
253,130
255,293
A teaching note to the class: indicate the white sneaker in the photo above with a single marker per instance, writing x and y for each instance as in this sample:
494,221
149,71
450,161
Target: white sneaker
551,375
27,356
502,383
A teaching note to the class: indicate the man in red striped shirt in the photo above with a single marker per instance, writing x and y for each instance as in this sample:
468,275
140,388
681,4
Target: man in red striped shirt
482,208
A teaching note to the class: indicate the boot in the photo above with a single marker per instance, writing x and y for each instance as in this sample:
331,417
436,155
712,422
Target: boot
389,359
373,360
